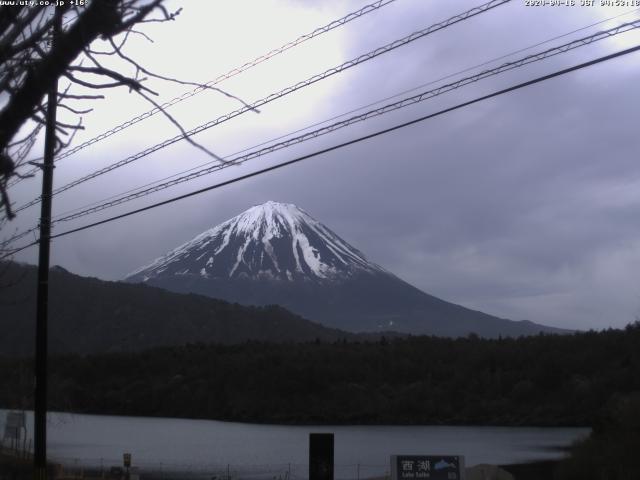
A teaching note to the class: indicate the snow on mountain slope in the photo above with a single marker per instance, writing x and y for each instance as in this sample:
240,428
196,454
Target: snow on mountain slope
276,241
276,253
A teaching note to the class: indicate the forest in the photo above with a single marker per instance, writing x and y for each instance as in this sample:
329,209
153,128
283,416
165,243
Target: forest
544,380
585,379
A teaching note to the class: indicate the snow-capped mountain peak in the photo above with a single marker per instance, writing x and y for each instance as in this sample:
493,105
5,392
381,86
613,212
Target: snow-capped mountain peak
277,254
277,241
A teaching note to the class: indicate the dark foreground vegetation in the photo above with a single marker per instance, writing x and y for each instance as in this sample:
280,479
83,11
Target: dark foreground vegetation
612,450
541,380
609,453
12,468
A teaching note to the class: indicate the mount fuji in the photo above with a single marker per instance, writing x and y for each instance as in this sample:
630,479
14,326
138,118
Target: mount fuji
276,253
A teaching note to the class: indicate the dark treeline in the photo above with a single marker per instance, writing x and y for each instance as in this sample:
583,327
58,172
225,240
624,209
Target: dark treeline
541,380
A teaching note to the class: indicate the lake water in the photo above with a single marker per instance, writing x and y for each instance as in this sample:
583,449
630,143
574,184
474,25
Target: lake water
206,447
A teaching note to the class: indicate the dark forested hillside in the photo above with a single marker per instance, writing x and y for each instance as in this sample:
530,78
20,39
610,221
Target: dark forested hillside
87,315
542,380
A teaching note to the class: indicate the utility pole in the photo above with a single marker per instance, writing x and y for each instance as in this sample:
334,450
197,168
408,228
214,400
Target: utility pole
40,414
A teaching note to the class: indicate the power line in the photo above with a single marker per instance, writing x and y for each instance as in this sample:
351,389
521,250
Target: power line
431,82
359,118
335,117
341,145
282,93
18,236
235,71
139,192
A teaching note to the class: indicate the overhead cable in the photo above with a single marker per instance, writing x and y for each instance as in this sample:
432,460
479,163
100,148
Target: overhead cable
343,114
141,192
338,146
231,73
282,93
405,102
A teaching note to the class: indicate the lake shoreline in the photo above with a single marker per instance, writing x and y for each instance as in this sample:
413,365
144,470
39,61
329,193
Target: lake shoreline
208,447
539,470
310,424
18,467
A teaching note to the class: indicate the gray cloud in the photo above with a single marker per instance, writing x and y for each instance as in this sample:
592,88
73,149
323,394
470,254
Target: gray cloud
524,206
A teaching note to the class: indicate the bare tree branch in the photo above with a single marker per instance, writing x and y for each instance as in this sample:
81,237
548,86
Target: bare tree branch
30,64
184,134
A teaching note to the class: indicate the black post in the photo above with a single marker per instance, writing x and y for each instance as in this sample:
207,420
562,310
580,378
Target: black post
321,456
40,414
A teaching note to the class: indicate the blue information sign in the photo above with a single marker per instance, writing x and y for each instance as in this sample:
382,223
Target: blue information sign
427,467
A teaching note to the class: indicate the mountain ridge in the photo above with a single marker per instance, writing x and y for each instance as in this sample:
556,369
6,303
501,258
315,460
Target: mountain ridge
88,315
276,253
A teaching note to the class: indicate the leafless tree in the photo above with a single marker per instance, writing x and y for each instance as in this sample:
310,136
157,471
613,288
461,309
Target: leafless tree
30,63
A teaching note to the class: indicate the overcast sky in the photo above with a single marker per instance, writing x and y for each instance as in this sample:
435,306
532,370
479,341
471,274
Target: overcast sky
525,206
